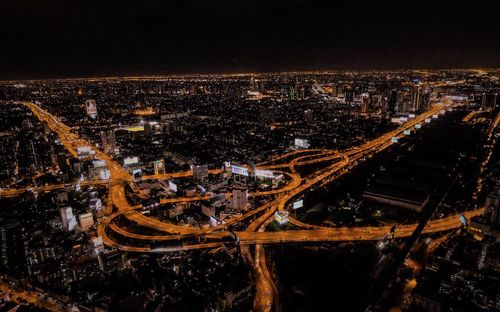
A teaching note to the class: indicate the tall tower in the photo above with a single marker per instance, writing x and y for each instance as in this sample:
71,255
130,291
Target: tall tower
365,103
91,108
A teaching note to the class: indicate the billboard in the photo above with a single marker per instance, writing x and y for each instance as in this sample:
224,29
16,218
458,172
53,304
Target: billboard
302,143
463,219
411,116
264,173
239,170
406,132
403,119
298,204
137,174
394,139
434,116
99,163
172,186
131,160
418,126
427,120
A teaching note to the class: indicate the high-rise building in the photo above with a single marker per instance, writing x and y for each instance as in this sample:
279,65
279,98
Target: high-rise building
309,115
109,142
365,103
200,172
334,91
349,95
483,101
67,218
392,101
91,108
86,221
45,126
239,201
492,206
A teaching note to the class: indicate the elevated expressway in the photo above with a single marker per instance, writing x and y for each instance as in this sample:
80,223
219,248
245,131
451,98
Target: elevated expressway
189,238
341,162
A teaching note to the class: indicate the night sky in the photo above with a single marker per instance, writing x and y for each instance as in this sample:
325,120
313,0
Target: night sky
70,38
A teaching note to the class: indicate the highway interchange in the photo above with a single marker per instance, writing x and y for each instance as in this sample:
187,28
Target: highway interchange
332,165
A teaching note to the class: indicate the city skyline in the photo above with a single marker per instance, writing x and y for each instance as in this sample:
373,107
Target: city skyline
253,155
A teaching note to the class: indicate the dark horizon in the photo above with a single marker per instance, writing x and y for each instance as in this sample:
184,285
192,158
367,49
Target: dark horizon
70,39
153,76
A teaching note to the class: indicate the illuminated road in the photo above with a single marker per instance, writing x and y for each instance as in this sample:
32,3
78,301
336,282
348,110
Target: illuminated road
347,159
337,163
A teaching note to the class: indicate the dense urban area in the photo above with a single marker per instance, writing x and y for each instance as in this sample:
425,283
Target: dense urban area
306,191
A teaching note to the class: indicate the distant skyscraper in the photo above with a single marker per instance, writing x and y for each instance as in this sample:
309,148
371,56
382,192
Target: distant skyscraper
392,101
334,91
239,200
365,103
91,108
45,126
309,115
492,206
349,95
109,142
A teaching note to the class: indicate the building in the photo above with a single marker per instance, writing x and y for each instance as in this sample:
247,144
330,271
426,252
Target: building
200,172
159,166
492,206
489,222
349,95
365,103
91,108
86,221
309,115
109,142
239,201
67,218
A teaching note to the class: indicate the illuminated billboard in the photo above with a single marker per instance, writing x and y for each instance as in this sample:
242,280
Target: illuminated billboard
434,116
239,170
172,186
427,120
418,126
99,163
463,219
264,173
406,132
394,139
130,160
404,119
298,204
411,116
137,174
302,143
